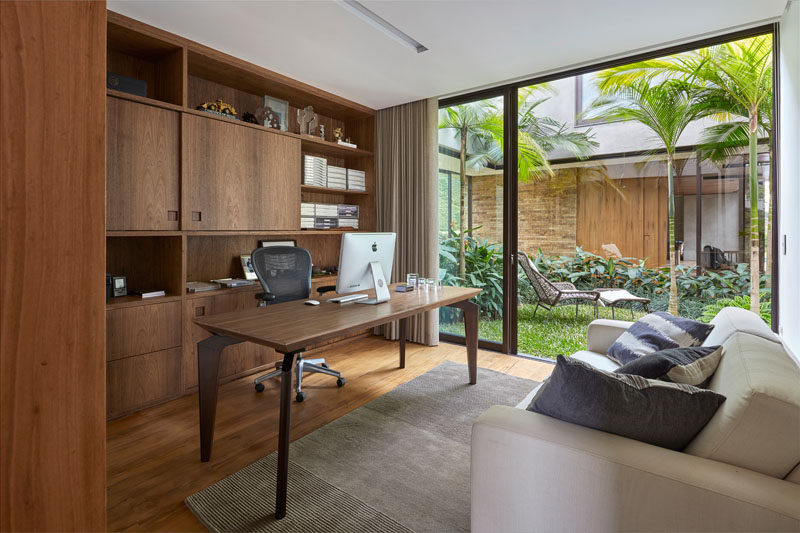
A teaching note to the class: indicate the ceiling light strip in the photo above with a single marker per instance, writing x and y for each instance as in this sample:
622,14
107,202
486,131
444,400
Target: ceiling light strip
358,9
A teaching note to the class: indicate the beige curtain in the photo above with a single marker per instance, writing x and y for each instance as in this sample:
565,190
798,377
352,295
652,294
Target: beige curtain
407,199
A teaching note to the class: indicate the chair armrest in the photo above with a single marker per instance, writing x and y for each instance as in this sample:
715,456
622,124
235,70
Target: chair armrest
603,332
533,472
326,288
265,296
564,286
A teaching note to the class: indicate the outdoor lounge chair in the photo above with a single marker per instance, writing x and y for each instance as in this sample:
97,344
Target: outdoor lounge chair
549,294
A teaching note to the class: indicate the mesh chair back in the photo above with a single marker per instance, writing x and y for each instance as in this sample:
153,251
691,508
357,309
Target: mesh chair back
545,291
284,271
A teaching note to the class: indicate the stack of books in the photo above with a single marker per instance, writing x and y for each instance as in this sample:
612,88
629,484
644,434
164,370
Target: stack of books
307,213
337,177
348,216
356,180
326,216
315,170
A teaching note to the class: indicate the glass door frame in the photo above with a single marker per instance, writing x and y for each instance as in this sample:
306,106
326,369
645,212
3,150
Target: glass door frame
509,344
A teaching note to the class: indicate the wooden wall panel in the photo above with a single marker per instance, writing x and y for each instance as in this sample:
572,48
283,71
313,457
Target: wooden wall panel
52,237
635,220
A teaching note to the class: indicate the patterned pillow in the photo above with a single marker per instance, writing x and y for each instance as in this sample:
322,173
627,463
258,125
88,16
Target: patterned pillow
693,365
666,414
657,331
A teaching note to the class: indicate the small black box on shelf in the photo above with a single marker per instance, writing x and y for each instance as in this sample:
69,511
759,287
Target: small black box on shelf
118,82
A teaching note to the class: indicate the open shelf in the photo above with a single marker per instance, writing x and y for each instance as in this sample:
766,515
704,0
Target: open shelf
141,56
328,190
320,146
133,300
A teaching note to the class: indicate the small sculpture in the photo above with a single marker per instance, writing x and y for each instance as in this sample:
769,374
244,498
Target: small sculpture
322,131
338,134
307,120
268,117
249,117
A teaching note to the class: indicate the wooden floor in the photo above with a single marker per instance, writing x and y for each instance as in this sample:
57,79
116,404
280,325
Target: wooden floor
154,455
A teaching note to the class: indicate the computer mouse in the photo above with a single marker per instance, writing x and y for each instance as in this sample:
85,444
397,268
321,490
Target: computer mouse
311,302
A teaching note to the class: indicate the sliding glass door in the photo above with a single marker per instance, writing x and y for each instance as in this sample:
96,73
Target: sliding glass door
471,214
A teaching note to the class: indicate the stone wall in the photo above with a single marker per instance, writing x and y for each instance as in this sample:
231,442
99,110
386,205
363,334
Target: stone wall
547,212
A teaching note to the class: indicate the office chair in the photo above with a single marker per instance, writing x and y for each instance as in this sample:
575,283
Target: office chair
285,275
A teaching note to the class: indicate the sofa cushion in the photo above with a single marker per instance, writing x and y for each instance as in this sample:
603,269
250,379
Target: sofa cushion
596,360
657,331
731,320
759,424
652,411
794,475
692,365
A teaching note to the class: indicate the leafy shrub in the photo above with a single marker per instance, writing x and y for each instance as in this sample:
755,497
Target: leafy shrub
484,270
711,310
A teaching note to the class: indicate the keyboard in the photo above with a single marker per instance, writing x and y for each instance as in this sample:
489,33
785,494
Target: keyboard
348,298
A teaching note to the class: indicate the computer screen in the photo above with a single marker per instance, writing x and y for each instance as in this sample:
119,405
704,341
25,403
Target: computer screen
357,257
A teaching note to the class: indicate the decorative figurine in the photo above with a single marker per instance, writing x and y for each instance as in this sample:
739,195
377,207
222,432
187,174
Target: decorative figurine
249,117
307,120
322,131
338,134
269,118
219,107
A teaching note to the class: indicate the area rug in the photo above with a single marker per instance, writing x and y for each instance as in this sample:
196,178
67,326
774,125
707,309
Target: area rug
398,463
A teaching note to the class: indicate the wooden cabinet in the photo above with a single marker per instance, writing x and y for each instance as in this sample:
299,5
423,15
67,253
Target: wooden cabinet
142,329
142,167
238,359
239,178
136,382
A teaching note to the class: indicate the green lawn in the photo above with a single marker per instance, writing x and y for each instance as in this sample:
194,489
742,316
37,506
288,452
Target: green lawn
562,333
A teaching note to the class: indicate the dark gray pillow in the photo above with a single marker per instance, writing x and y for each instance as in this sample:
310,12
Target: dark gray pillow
657,412
657,331
693,365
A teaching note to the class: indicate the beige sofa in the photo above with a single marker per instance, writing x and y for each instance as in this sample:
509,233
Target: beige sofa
531,472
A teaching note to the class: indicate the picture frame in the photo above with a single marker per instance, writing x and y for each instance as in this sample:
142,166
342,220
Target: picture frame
247,267
277,113
264,244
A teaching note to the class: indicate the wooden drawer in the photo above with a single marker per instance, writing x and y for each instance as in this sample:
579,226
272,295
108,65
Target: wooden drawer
142,329
143,380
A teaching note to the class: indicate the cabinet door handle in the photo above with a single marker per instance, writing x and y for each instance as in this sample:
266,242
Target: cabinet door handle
197,216
172,216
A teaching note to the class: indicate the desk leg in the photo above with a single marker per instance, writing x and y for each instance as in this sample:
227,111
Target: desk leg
283,435
402,333
208,356
470,310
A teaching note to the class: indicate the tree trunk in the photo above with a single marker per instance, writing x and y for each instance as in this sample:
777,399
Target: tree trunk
462,224
673,255
755,270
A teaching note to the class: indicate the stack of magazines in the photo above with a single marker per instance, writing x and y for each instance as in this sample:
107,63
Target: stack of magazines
307,213
348,216
356,180
315,170
327,216
337,177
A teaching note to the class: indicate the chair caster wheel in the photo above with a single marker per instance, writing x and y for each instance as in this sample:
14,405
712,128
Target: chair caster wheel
259,387
300,397
324,365
340,382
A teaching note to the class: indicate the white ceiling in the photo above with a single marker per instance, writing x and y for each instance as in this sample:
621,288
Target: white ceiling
471,43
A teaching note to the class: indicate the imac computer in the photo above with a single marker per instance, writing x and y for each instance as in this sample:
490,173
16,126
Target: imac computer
365,261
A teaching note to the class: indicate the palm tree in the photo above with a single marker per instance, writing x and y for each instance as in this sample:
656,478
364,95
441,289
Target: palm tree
731,82
666,109
479,127
468,121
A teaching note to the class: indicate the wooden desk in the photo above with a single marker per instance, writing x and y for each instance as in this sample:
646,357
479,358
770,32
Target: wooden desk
290,328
